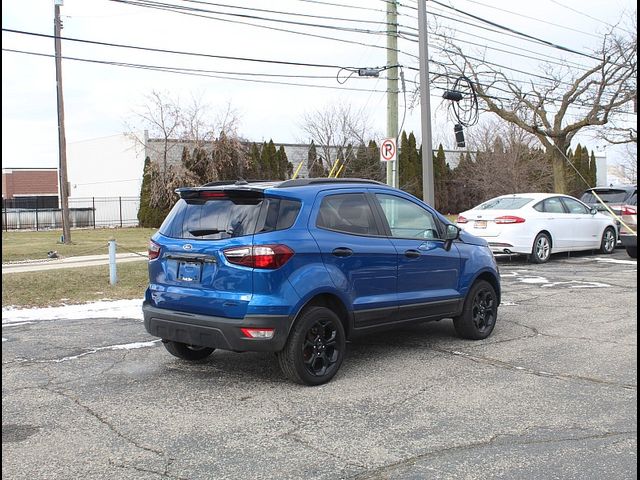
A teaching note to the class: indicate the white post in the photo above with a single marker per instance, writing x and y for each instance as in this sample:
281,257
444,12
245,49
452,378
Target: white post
113,274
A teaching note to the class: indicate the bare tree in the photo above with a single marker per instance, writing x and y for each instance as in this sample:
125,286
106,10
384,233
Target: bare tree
565,102
627,169
336,129
508,160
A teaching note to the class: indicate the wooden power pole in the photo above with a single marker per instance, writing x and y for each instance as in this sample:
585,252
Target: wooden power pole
62,142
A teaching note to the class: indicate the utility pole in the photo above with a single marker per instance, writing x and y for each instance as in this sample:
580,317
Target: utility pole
392,86
62,142
428,190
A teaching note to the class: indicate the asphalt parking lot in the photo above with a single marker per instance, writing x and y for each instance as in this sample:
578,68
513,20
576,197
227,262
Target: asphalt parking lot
551,394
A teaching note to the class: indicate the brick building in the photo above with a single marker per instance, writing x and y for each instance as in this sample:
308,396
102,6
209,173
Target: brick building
30,187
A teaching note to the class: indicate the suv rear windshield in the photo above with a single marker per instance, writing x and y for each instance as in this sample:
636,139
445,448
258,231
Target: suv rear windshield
229,217
609,195
509,203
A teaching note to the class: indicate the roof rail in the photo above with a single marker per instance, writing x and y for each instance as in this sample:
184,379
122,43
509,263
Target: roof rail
302,182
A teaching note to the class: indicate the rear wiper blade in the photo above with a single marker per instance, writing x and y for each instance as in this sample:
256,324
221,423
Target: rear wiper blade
210,231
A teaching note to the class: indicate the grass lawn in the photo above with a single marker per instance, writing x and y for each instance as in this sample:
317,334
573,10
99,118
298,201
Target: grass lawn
73,285
29,245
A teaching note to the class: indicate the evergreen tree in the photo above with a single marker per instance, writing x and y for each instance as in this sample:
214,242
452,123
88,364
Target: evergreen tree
315,168
440,177
409,163
284,169
593,171
253,171
148,215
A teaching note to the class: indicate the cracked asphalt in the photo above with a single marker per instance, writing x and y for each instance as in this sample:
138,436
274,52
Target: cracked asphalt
550,395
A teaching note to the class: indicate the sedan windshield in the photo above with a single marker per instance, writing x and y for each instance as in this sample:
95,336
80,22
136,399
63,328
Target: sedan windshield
505,203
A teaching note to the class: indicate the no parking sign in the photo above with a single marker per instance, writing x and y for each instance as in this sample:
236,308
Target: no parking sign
388,150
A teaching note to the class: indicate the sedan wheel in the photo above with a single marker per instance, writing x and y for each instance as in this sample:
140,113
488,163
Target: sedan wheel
608,244
541,249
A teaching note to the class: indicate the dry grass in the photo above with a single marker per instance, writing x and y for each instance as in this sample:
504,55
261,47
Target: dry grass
73,285
29,245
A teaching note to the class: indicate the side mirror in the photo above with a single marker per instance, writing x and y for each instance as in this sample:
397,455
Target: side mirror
452,233
593,210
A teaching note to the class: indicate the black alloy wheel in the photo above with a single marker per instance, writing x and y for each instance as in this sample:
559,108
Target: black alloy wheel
479,313
315,348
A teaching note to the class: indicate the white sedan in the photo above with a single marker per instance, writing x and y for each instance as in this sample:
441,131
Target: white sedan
539,224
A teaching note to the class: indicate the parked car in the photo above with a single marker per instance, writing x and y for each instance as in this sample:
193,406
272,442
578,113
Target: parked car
299,267
539,224
614,197
629,225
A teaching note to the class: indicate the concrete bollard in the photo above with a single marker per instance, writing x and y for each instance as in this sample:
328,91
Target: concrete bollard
113,274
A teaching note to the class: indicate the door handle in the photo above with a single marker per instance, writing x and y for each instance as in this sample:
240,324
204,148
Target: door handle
412,254
342,252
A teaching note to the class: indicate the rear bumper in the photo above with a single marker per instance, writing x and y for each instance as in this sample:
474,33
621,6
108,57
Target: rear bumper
629,240
215,332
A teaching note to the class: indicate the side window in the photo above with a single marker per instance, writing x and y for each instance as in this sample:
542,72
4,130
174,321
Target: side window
553,205
348,213
575,206
408,220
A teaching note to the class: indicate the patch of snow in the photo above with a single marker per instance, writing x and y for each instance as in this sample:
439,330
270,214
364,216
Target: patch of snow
103,309
4,339
577,284
533,280
613,260
17,324
126,346
508,304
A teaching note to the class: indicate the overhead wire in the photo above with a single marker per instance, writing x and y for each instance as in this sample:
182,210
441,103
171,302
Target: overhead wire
191,12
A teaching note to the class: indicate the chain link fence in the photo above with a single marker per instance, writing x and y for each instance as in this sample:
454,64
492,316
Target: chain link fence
91,212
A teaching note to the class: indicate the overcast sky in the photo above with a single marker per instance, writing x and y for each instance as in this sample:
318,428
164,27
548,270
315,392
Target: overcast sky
99,98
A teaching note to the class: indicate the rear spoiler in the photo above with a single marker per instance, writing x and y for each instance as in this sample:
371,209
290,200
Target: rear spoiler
212,193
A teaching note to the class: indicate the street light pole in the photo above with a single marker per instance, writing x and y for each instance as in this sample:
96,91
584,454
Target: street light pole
62,142
428,193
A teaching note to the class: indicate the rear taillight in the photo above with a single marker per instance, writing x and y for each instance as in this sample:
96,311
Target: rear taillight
154,250
509,219
462,219
629,210
261,333
267,257
213,195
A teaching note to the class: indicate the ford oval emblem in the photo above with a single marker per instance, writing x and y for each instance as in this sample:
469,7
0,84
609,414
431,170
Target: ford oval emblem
187,246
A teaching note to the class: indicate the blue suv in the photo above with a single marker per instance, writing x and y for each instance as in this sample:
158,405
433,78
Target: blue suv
301,266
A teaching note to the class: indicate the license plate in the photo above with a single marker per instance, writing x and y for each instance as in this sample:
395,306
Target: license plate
189,271
480,224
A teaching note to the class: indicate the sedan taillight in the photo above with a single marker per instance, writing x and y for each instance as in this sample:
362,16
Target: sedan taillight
153,250
629,210
267,257
462,219
509,219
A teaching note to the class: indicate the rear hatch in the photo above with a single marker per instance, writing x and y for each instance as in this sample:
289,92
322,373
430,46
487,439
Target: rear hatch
191,273
614,198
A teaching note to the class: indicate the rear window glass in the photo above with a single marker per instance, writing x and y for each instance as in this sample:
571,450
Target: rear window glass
229,217
633,199
607,196
509,203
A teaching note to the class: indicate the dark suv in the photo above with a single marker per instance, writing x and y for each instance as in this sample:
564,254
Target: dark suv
301,266
614,197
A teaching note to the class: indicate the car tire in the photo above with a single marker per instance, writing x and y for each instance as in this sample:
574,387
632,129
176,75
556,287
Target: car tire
632,252
608,242
541,250
479,313
187,352
315,348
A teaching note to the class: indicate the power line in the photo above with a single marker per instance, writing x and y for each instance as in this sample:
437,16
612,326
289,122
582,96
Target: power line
191,12
176,52
589,16
192,72
508,29
532,18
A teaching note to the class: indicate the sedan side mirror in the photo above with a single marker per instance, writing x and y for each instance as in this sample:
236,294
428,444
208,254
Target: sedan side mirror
452,233
593,210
